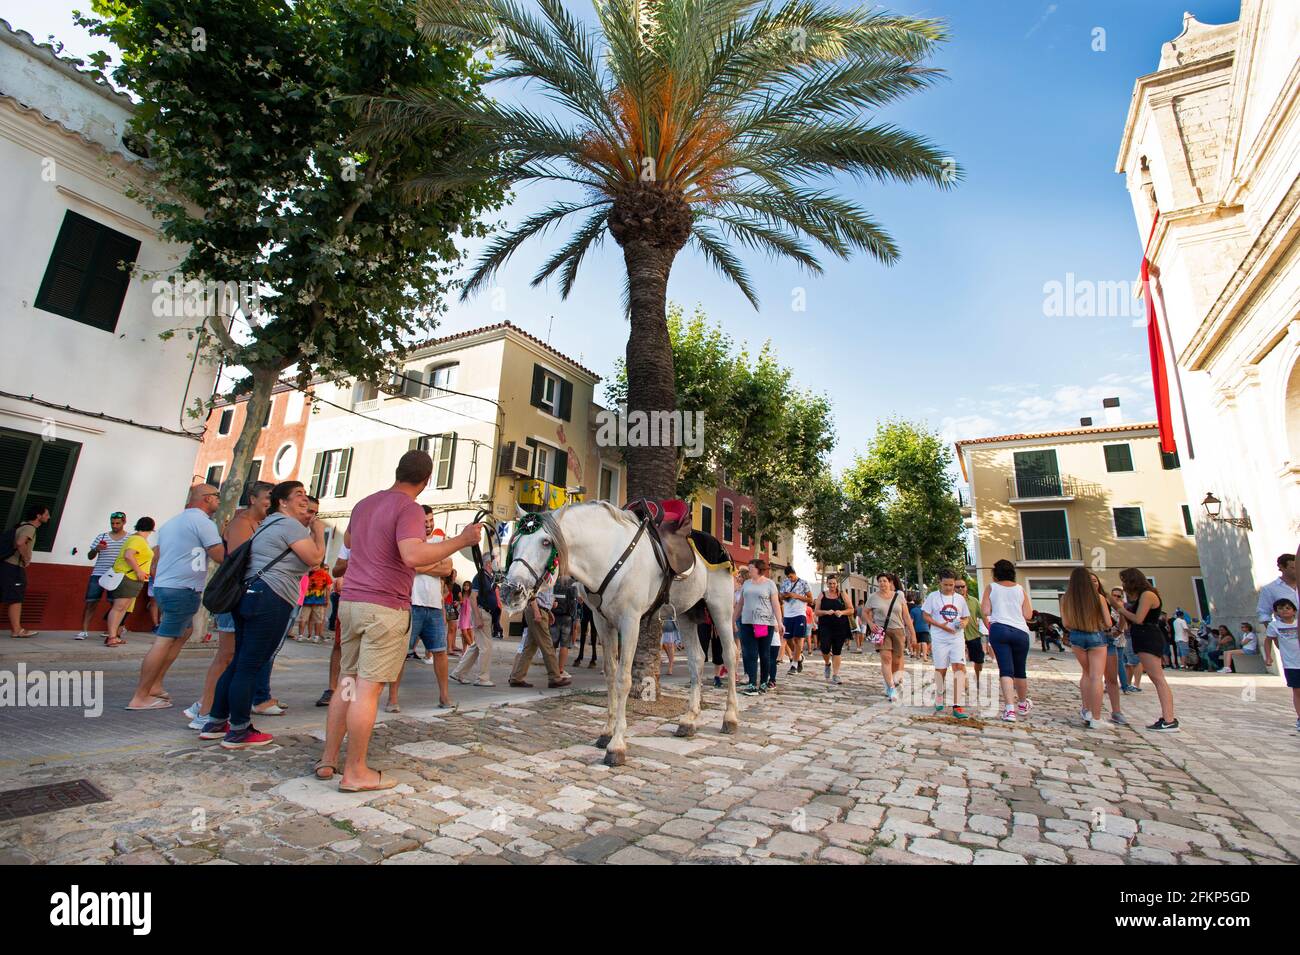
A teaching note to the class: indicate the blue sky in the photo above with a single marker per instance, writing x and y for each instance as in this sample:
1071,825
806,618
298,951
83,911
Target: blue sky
955,334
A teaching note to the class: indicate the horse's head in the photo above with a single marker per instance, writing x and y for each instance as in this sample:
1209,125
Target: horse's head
532,560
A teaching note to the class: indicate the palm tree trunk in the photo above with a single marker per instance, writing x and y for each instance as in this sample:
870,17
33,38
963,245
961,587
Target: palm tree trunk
651,386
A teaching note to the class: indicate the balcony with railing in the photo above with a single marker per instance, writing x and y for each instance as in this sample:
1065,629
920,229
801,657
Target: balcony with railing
1041,487
1051,550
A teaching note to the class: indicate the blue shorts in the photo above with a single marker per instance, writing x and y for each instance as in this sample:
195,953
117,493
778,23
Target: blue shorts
796,627
93,590
1087,639
429,626
225,623
1292,678
178,605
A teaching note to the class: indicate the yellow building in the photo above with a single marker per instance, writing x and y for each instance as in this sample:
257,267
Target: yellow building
1104,498
506,418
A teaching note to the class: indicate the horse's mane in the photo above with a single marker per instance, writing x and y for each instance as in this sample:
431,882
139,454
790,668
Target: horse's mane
551,523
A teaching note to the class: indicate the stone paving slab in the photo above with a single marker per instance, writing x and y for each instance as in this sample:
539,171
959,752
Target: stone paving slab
818,774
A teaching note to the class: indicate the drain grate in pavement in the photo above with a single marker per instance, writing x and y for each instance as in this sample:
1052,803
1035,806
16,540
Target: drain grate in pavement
35,800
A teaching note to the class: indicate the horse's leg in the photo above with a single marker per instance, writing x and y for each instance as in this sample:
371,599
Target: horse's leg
689,630
721,609
608,634
628,631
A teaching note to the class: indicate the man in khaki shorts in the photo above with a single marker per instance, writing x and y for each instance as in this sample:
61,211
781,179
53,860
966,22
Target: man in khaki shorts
387,546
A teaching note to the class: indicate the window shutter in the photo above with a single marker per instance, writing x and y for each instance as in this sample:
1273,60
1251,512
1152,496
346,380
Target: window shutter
446,459
538,378
15,451
83,280
314,488
566,400
561,471
102,302
70,263
49,486
341,482
413,444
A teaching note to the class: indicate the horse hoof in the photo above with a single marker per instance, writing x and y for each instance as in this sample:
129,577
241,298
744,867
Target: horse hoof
615,757
685,731
730,727
602,741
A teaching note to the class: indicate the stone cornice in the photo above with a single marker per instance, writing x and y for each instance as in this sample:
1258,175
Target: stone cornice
1278,234
1145,87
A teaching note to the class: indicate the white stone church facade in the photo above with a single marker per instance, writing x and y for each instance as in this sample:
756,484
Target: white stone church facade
1212,143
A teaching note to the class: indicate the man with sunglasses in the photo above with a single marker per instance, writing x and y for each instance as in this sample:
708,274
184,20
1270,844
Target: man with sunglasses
180,571
103,551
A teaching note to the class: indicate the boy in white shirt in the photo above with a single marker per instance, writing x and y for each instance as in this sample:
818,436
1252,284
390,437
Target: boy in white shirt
946,612
1281,635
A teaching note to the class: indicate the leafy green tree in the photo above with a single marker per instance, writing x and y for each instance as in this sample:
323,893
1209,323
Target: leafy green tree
831,522
246,111
762,436
902,489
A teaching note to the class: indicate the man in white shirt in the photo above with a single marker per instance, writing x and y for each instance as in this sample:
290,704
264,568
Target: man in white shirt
1181,631
1281,589
180,572
796,595
946,611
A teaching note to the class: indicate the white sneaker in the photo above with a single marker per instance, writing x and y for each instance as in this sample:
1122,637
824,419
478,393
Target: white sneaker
1025,706
1226,670
427,660
1008,714
192,711
81,635
198,722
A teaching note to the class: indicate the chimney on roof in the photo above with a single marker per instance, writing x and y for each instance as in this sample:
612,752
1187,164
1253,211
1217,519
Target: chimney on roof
1110,407
1085,422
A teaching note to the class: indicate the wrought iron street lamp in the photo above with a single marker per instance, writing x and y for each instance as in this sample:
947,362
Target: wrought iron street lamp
1213,506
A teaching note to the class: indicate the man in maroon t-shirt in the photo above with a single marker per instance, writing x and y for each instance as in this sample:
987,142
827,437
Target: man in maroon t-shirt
386,537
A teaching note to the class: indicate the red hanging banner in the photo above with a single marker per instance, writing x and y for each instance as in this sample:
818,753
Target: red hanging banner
1159,370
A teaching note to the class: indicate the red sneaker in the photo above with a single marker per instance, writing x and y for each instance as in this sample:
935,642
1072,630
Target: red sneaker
243,739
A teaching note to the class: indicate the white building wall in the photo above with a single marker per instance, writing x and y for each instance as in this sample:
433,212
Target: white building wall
130,373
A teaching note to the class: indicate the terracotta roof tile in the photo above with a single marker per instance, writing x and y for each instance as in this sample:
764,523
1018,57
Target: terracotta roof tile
507,325
1098,430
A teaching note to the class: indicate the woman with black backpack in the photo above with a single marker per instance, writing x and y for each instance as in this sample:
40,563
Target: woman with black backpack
282,550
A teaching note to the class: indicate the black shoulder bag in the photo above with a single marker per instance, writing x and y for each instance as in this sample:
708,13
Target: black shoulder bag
227,586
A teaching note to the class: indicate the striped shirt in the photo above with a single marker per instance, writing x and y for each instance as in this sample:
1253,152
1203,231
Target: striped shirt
104,562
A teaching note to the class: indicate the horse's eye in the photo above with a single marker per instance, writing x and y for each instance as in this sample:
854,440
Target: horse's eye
546,541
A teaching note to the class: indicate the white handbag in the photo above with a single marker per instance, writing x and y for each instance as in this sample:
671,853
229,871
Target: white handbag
111,580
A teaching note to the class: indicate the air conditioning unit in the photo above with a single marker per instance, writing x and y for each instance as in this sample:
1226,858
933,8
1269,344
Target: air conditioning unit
517,459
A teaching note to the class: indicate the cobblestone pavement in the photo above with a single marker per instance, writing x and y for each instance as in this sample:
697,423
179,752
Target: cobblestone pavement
817,773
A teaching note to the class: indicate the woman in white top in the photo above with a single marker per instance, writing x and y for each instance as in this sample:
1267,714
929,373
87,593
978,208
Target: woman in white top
760,613
1007,609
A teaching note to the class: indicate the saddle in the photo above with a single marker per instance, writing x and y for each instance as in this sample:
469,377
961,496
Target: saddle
670,530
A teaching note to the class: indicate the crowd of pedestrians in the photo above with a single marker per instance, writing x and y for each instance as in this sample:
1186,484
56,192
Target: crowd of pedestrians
392,596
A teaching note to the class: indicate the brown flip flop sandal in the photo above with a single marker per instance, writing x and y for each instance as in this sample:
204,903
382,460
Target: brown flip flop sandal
320,764
378,787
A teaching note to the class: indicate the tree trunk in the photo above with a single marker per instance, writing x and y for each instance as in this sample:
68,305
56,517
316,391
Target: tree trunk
259,400
920,574
651,386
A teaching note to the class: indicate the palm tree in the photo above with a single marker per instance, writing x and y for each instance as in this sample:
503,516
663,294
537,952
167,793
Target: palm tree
710,122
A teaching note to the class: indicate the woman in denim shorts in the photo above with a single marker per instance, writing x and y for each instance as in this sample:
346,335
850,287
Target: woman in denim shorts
1087,616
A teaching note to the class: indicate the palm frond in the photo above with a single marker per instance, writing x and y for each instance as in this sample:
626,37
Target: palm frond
504,245
570,256
717,254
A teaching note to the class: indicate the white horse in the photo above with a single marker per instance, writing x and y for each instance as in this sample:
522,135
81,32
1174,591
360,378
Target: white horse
586,541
